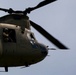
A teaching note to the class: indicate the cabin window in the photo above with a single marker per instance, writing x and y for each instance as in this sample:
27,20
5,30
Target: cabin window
9,35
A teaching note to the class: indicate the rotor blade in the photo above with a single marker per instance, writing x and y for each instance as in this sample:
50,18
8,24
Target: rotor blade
41,4
10,10
6,10
48,36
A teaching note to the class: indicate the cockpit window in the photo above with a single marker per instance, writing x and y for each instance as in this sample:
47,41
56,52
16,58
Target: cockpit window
32,40
32,37
9,35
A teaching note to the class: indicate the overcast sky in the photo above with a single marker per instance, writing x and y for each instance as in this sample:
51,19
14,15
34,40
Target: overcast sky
59,19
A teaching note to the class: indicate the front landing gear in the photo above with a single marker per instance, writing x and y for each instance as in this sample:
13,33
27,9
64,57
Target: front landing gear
6,69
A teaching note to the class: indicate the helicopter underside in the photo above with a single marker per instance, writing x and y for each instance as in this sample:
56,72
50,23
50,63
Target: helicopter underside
14,62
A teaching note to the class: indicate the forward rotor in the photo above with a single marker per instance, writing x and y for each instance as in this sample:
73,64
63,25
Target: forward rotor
28,10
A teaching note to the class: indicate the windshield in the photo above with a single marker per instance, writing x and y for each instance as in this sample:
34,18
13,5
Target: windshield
31,36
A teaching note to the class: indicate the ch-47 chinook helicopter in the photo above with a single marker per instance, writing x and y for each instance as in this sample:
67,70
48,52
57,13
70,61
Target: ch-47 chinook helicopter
18,45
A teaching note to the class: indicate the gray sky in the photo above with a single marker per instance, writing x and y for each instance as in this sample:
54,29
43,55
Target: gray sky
59,19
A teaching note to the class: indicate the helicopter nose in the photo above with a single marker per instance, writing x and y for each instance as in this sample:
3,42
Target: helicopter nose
44,50
44,53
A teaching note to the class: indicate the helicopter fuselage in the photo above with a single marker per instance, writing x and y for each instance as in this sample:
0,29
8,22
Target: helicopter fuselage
19,49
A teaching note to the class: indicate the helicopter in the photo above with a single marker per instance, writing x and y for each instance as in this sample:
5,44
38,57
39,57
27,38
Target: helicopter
18,45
